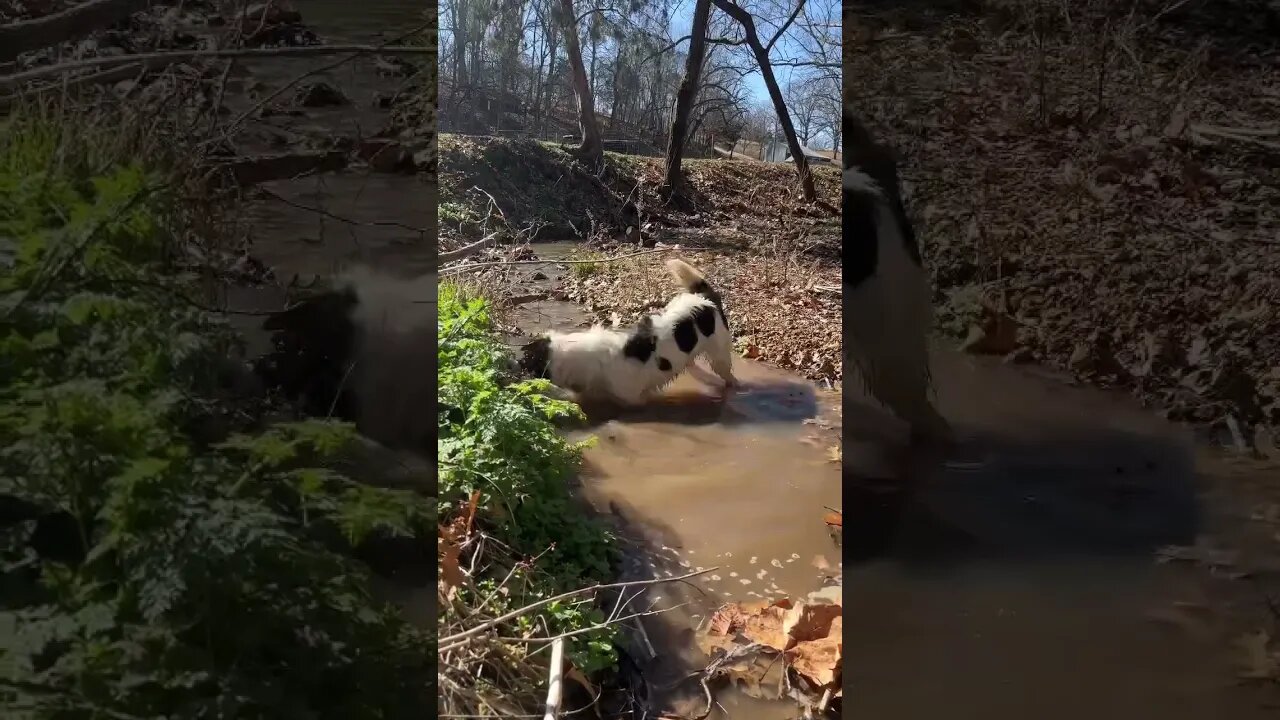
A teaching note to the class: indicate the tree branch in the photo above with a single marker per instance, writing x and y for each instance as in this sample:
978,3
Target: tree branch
778,35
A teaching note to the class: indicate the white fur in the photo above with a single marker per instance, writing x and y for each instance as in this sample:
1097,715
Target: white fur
394,370
591,362
887,319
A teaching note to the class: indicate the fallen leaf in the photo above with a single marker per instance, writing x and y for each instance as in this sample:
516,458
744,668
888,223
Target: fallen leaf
451,575
806,622
767,627
819,659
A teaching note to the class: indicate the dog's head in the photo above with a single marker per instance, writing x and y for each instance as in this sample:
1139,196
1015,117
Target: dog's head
535,358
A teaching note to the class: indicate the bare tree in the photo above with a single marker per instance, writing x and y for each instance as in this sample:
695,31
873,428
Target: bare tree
685,96
761,53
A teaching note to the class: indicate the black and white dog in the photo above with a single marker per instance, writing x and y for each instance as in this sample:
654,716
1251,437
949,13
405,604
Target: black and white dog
628,366
363,351
887,307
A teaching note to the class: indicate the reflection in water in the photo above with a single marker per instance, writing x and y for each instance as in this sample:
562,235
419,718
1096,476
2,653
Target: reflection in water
1017,577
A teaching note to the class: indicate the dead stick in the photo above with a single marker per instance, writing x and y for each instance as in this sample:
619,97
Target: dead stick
157,60
464,268
547,601
556,684
471,249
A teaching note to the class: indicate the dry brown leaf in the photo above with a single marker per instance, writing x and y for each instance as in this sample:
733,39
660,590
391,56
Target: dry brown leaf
806,621
834,518
820,659
766,627
451,575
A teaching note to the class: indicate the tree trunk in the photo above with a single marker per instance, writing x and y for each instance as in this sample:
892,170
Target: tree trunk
686,96
775,93
592,149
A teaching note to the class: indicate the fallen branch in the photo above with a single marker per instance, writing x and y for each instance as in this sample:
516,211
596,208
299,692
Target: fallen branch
555,684
152,61
1244,135
127,72
473,266
70,24
467,250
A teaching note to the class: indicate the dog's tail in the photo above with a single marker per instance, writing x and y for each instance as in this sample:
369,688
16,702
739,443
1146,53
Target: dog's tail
691,280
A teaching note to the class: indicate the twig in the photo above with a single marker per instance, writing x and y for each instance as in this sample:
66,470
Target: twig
162,59
555,684
494,201
449,639
585,630
644,637
464,268
321,211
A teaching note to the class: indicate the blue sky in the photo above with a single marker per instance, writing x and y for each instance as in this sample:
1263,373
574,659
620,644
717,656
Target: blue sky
682,21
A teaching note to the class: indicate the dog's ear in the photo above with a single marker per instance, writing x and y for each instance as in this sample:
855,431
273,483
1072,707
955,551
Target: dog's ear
535,357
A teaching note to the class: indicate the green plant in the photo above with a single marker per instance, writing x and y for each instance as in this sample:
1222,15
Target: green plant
151,565
498,437
586,264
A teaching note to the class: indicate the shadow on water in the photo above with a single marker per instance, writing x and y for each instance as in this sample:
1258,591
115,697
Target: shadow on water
1100,493
770,400
1017,577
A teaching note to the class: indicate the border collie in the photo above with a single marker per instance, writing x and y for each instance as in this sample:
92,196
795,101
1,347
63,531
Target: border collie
887,308
628,366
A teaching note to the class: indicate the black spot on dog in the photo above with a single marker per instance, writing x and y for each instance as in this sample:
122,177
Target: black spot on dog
664,364
860,209
860,252
686,336
642,343
703,288
705,318
535,358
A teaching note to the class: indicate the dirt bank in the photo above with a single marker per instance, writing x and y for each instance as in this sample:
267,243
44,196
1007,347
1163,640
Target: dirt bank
1099,195
774,256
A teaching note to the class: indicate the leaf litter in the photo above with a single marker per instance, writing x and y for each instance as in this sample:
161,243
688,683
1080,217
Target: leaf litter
1105,203
774,649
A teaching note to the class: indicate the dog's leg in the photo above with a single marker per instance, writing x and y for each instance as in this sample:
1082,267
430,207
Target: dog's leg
721,359
887,320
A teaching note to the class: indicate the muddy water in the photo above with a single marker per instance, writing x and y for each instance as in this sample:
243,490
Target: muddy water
1018,579
702,480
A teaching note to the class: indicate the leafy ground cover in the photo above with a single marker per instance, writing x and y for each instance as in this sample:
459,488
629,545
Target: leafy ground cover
513,535
161,552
